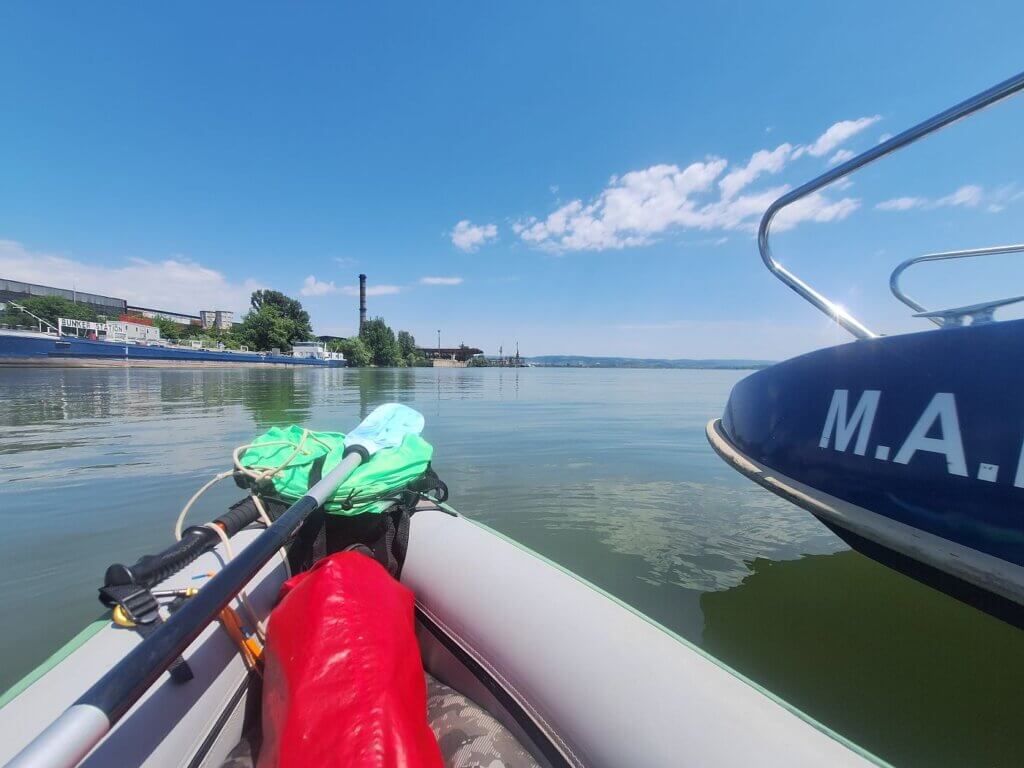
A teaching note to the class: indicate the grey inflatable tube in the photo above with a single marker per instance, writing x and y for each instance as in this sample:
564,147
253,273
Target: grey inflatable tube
606,685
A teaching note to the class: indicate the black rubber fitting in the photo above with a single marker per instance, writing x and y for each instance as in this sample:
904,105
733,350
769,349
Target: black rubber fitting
350,449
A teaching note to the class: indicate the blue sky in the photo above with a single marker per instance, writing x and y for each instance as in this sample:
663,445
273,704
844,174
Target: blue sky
607,162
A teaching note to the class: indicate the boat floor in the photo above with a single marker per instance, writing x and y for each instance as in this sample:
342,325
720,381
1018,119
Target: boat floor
466,733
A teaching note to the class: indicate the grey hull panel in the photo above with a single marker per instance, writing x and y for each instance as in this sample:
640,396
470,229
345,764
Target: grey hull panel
173,723
609,687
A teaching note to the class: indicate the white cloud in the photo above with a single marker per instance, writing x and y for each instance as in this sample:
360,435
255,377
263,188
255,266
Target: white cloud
1002,196
841,156
175,284
838,133
633,209
884,138
902,203
641,204
760,162
441,280
815,207
467,236
371,290
313,287
967,196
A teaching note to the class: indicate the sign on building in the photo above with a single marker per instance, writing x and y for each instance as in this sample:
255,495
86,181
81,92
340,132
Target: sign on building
81,325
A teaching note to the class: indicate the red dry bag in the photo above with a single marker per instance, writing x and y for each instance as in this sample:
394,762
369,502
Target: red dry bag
343,682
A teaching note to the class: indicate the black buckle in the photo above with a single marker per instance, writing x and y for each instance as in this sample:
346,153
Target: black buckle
141,608
138,603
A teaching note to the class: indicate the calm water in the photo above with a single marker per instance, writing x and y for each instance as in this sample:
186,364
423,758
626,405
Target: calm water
606,472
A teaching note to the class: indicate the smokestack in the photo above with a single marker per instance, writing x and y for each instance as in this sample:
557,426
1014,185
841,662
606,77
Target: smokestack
362,302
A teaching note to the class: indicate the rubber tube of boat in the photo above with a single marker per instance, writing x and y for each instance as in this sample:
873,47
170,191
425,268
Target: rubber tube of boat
69,738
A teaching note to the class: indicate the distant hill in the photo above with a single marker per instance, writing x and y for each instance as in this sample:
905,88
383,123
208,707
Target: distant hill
582,361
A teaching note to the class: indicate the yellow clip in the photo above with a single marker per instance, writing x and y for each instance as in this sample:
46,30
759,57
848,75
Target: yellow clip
120,617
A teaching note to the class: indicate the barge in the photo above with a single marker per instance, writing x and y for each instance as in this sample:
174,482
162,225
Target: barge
119,344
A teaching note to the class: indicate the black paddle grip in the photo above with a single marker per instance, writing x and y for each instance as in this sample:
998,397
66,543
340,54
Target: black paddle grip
150,570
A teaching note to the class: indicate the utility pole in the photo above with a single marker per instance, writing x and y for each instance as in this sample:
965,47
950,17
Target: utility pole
438,339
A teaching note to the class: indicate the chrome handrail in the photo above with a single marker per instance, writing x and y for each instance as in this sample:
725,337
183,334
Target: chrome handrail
894,278
835,311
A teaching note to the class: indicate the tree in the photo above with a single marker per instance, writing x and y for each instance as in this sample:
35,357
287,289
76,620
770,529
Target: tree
266,328
406,345
410,354
50,308
355,351
288,307
381,343
169,329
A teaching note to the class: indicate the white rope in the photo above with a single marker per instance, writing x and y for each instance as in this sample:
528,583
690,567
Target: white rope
258,475
265,519
243,597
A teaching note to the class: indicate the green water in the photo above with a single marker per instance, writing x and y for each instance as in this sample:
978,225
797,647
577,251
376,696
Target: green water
606,472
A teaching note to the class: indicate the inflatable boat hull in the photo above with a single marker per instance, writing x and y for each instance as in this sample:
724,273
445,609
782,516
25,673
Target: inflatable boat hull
579,678
910,447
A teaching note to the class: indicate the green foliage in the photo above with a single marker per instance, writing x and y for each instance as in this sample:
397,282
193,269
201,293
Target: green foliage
171,330
478,362
355,351
406,345
275,320
266,328
49,308
289,308
381,343
410,355
378,345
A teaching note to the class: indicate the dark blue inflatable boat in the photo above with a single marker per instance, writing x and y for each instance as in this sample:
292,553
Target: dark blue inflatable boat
909,447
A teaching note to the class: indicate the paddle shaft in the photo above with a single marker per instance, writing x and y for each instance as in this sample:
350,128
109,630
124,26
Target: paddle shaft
70,737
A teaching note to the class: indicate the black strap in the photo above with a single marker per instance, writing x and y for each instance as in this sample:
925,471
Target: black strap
430,483
142,609
316,471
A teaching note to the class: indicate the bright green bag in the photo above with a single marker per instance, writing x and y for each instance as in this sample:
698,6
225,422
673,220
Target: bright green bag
369,489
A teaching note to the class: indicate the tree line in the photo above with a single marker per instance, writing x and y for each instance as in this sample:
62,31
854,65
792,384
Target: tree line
274,321
378,345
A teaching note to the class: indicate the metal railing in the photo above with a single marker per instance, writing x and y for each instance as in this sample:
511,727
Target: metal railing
832,309
947,317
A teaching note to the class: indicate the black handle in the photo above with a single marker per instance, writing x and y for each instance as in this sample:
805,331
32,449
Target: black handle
150,570
122,685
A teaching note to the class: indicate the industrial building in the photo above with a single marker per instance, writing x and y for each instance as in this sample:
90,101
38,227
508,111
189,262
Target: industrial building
153,314
460,354
15,290
109,306
220,319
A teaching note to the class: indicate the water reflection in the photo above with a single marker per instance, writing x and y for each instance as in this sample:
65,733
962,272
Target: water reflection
899,668
380,386
275,397
687,534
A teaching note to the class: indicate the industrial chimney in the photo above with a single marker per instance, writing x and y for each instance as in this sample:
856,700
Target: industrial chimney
362,302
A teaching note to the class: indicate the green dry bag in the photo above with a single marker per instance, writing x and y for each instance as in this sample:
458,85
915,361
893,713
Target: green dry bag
370,489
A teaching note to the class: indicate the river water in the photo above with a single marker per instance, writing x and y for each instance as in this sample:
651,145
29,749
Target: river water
605,471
